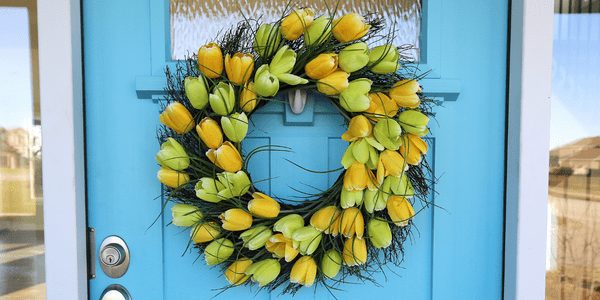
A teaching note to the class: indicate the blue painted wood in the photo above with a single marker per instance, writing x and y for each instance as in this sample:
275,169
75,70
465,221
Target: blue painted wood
457,252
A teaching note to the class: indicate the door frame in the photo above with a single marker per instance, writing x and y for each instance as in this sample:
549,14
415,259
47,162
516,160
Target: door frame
528,103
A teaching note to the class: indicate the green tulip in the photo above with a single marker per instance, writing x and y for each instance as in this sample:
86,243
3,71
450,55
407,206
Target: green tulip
355,98
208,189
331,263
375,200
266,84
173,156
350,198
282,64
400,185
354,57
264,271
387,132
235,126
307,239
196,91
235,184
256,237
267,39
222,100
414,121
288,224
384,59
379,233
185,215
218,251
318,32
364,151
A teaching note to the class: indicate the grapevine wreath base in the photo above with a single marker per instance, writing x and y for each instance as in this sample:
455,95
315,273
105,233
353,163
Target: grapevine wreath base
350,229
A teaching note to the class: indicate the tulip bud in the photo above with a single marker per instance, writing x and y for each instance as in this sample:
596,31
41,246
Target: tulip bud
355,98
350,198
235,126
355,251
236,219
239,67
306,239
264,271
172,155
413,148
248,99
404,92
235,273
222,100
256,237
267,40
375,199
235,184
210,133
333,83
357,177
358,127
380,233
392,163
318,32
218,251
172,178
350,27
304,271
400,210
354,57
205,232
384,59
208,189
177,117
400,185
352,222
185,215
265,83
414,121
195,91
381,106
321,66
326,220
288,224
226,157
210,60
387,132
294,24
331,263
281,247
263,206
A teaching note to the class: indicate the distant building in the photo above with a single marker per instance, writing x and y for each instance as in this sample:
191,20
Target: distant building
581,156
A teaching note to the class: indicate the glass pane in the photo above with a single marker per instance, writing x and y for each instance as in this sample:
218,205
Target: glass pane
21,215
195,22
573,252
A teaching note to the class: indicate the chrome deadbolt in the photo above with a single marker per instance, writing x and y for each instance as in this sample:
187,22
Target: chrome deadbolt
114,256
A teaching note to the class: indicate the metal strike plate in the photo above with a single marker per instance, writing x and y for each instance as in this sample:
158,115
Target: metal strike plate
114,256
115,292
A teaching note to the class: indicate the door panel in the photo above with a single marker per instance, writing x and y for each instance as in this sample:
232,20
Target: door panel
456,251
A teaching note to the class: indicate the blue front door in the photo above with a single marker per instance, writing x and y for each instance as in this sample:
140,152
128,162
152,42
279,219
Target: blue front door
456,253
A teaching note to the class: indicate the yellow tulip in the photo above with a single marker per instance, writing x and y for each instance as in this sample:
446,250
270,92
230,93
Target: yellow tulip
321,66
294,24
350,27
235,273
210,133
226,157
355,251
248,99
359,127
177,117
404,92
236,219
391,163
333,83
172,178
304,271
357,177
239,67
400,210
381,106
263,206
413,148
210,60
352,223
281,247
205,232
327,220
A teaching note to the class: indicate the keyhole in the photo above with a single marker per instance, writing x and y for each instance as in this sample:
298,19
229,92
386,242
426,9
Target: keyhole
110,259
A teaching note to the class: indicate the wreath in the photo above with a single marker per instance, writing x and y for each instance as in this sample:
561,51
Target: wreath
351,229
